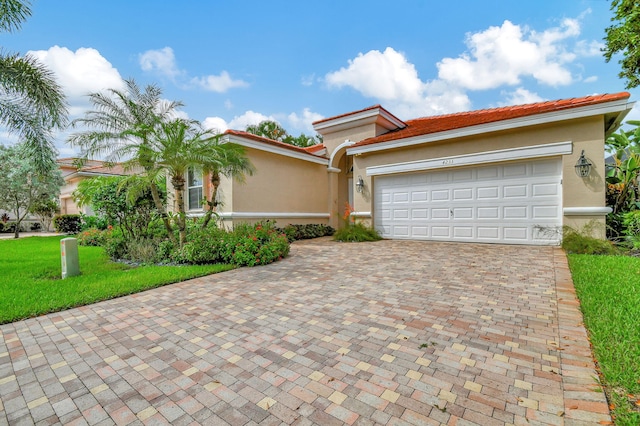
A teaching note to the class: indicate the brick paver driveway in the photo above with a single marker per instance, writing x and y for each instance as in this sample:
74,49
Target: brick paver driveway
383,333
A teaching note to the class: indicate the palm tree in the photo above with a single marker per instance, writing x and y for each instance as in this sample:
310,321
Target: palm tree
32,104
179,145
230,161
121,127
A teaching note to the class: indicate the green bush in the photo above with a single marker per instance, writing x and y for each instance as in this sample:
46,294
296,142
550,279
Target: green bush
35,226
580,243
10,227
303,232
91,237
68,223
250,245
357,232
94,222
631,228
115,244
203,247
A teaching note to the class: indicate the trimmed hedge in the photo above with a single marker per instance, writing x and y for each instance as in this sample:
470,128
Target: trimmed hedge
68,223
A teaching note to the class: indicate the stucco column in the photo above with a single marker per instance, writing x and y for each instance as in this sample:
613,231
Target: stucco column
334,213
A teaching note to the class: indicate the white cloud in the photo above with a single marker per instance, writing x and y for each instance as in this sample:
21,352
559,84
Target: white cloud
521,96
591,79
237,123
303,121
496,57
503,55
385,75
161,61
80,73
389,77
218,83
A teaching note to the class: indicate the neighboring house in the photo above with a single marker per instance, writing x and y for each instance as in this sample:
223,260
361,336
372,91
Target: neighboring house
502,175
73,174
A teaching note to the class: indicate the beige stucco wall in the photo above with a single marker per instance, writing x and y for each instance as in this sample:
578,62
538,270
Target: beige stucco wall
279,185
586,133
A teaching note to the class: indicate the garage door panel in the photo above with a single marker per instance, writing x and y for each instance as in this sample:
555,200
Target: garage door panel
440,213
544,190
463,194
493,203
440,195
417,196
515,191
515,233
488,212
513,170
465,232
441,232
545,212
514,212
419,213
488,233
488,193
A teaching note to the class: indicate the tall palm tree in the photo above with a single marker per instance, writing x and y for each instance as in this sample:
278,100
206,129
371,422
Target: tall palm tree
32,104
121,128
179,145
230,161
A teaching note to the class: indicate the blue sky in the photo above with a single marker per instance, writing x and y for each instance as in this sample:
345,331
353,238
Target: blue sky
237,63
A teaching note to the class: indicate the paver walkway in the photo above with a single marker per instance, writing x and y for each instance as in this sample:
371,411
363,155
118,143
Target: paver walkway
388,333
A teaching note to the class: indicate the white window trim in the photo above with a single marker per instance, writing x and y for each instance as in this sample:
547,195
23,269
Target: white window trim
188,206
535,151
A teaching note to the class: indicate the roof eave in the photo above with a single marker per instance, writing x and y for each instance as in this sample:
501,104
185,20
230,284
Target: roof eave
250,143
377,115
617,109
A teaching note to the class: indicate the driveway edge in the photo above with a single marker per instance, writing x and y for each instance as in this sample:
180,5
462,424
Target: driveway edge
585,402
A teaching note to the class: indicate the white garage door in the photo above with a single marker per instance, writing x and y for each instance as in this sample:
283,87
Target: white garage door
512,203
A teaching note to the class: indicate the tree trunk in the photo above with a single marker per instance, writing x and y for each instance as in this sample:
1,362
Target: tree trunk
178,186
215,184
155,194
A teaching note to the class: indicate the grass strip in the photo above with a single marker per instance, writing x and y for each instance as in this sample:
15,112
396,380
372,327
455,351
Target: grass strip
609,291
31,284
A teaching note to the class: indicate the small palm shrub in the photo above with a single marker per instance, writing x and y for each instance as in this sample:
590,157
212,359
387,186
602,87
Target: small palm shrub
581,242
357,232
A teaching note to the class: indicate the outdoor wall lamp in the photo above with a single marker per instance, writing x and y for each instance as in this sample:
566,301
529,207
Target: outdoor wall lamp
359,184
583,166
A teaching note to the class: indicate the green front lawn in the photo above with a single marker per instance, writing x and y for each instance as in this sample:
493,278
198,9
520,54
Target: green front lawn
609,291
31,284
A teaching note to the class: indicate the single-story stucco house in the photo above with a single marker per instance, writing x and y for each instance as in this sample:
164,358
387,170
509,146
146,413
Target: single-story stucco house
74,171
503,175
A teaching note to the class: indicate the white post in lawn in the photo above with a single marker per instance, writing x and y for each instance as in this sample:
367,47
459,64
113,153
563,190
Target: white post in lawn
70,260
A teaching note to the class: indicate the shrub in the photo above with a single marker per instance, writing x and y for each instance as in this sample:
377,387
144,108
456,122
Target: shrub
580,243
115,244
249,245
357,232
94,222
10,227
68,223
203,247
36,226
303,232
91,237
631,228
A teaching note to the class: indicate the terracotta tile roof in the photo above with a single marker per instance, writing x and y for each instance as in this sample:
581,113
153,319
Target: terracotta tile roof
442,123
94,167
272,142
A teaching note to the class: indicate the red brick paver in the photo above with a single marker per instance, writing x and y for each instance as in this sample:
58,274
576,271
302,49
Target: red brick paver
391,333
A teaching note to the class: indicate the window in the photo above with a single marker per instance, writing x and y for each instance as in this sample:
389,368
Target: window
194,189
